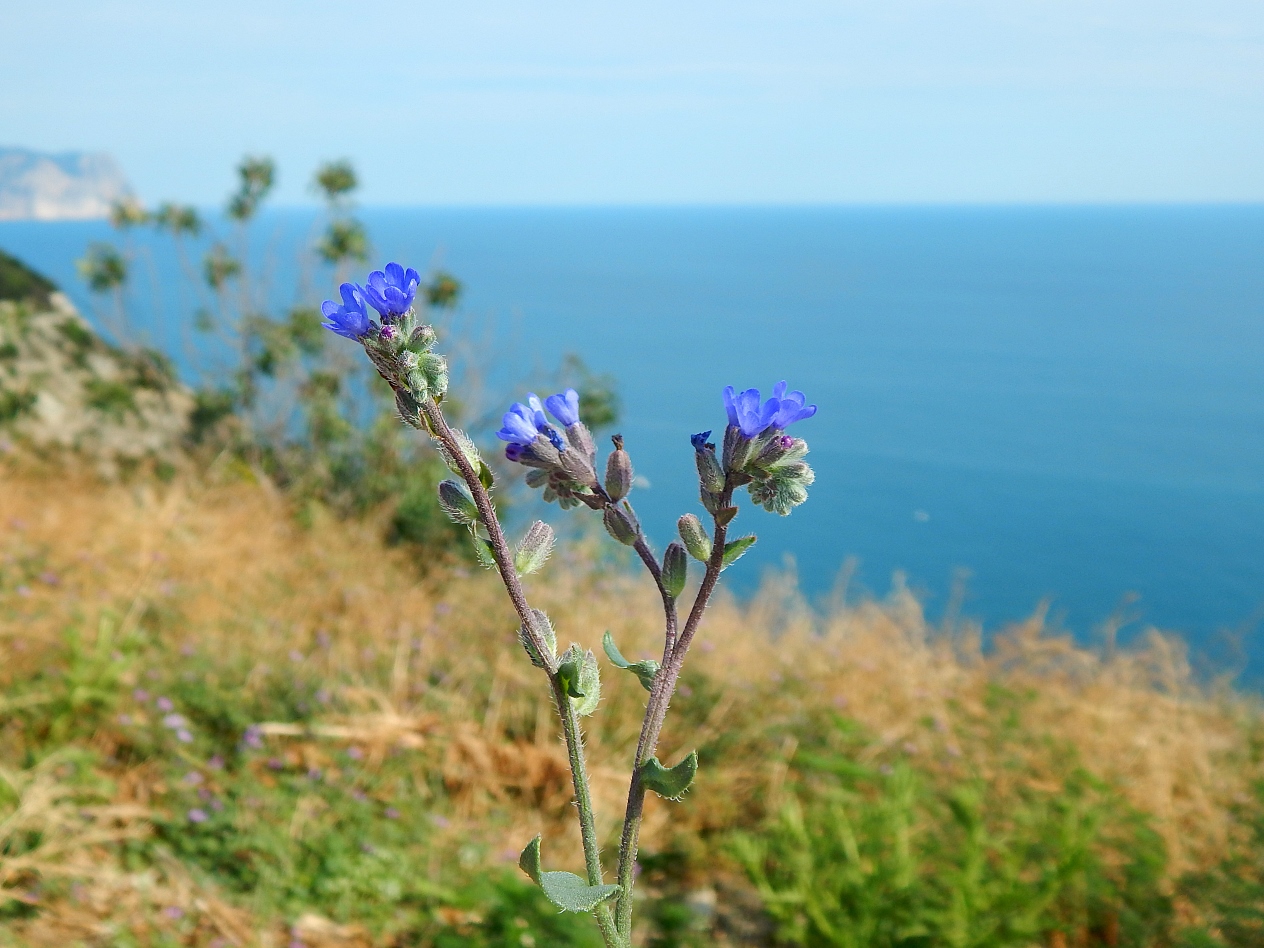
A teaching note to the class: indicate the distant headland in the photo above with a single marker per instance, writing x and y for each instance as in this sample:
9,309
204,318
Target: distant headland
66,186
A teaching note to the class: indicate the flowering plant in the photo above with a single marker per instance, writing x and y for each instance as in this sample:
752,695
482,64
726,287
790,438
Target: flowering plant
550,440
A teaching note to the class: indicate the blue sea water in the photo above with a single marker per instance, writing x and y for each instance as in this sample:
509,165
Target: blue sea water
1054,403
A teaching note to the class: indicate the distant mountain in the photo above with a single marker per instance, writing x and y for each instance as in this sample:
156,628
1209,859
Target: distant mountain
67,186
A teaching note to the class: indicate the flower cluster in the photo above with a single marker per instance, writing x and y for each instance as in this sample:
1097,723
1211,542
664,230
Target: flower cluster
563,463
757,453
399,347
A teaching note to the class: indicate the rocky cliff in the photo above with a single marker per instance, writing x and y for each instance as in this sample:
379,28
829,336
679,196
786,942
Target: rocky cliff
63,388
69,186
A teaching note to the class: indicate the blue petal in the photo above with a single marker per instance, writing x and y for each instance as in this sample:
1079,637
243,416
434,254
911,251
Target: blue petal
395,274
730,404
564,406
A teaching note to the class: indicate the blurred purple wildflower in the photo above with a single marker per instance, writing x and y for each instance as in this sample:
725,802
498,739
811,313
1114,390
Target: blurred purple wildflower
197,815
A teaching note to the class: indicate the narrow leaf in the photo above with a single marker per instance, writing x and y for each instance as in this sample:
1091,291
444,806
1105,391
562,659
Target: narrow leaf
669,782
734,549
612,651
645,671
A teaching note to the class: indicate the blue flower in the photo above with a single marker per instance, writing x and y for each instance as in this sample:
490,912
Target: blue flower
790,408
754,418
518,425
564,407
391,293
699,440
522,424
349,319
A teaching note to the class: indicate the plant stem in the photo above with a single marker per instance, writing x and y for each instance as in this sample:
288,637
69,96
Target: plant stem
656,713
583,803
565,710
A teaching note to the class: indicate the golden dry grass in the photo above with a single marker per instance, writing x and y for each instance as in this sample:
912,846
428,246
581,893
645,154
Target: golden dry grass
430,665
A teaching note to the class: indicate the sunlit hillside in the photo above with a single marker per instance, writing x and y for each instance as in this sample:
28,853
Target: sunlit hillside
223,726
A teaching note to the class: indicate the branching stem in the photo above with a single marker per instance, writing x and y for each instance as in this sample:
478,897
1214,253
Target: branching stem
566,712
664,687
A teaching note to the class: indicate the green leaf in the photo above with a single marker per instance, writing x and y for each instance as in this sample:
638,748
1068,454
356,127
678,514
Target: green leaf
669,782
529,861
570,893
565,890
612,651
645,671
568,672
734,549
485,475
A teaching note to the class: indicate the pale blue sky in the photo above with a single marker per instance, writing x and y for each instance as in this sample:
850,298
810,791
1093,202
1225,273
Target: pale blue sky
662,102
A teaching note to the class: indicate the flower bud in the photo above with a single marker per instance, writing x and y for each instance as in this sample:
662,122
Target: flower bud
534,549
618,471
580,438
457,503
620,526
675,569
422,338
695,537
710,474
774,451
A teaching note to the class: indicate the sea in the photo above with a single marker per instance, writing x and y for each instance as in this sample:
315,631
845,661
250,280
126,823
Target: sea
1019,407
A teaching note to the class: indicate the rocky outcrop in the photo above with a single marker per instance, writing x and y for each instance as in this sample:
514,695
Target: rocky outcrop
68,186
63,388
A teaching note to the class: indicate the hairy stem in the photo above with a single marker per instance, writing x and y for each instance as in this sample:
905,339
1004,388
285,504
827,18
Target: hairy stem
566,712
656,713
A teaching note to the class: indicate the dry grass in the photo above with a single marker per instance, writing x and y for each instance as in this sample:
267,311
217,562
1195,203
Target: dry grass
430,665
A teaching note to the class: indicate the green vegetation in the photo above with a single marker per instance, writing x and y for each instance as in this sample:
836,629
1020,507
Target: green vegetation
216,721
20,283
